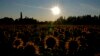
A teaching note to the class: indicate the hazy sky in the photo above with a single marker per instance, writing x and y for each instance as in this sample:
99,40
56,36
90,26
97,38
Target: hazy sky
40,9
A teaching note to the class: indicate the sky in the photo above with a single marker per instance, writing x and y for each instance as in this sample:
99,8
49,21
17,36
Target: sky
40,9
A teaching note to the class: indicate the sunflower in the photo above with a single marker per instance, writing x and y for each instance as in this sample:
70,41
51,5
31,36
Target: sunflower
73,41
51,42
33,46
18,43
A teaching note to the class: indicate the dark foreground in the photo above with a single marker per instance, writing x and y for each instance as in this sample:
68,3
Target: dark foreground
28,40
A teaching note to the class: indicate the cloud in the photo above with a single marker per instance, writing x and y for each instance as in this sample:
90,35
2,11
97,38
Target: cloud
31,6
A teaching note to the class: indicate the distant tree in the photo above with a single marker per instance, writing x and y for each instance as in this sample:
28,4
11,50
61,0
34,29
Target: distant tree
79,20
72,20
26,20
60,20
6,20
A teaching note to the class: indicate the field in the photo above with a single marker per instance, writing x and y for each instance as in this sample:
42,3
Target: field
50,40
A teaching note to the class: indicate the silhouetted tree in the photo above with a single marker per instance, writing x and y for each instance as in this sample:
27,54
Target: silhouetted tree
79,20
6,20
26,20
60,20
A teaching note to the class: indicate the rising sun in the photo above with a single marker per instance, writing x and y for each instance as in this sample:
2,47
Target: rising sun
55,10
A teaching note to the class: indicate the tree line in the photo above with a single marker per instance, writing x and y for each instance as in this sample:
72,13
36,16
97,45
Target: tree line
79,20
71,20
26,20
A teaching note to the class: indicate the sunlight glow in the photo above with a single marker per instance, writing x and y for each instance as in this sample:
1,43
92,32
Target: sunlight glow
55,10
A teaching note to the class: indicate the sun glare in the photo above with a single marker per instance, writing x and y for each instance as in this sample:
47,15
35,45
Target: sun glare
55,10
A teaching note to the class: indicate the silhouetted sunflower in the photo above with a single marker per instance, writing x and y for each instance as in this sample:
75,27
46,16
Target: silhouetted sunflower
51,42
18,43
72,43
31,48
